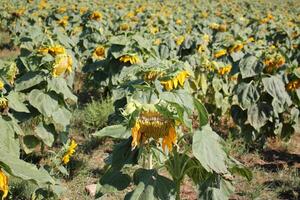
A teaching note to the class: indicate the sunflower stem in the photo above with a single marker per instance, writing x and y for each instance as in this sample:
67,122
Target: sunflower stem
150,160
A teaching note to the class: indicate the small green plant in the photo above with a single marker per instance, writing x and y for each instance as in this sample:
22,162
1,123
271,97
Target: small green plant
96,113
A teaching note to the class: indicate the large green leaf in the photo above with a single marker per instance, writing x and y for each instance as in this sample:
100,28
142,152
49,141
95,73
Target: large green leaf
259,114
208,150
8,141
45,134
28,80
115,131
122,154
116,179
59,85
151,186
247,94
249,66
43,102
15,102
62,117
19,168
30,142
276,88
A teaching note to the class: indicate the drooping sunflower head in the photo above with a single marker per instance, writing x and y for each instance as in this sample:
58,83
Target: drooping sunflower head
293,85
177,80
96,15
273,62
63,21
153,125
99,53
224,70
220,53
63,63
179,40
3,184
132,59
151,75
53,50
3,103
236,47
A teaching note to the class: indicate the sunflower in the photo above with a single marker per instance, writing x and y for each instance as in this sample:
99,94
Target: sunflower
220,53
1,85
124,27
99,53
153,30
236,48
53,50
273,62
132,59
151,124
63,21
3,103
157,42
293,85
96,16
177,80
63,63
224,70
70,151
3,184
179,40
152,75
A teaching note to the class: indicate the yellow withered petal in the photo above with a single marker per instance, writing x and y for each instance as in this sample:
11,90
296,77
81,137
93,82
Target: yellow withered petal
3,184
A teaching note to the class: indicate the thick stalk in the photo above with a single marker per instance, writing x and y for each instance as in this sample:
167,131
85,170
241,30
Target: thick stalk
177,185
150,160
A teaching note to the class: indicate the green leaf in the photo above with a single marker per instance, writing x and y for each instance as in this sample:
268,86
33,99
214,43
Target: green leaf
22,169
42,102
115,131
8,140
45,134
62,117
202,112
28,80
259,114
151,186
122,154
276,88
59,86
15,103
208,150
249,66
247,94
115,179
30,143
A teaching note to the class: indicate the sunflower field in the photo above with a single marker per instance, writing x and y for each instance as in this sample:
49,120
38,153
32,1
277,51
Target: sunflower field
146,100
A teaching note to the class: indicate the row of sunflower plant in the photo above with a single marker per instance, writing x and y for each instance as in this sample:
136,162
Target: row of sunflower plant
158,65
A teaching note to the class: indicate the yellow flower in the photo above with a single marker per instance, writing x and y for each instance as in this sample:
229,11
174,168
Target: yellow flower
178,21
124,27
157,42
236,47
273,63
177,80
214,26
293,85
19,12
96,16
3,103
43,4
83,10
62,9
70,152
153,30
151,124
99,53
220,53
224,70
1,85
63,21
53,50
3,184
205,38
132,59
152,75
63,63
180,40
